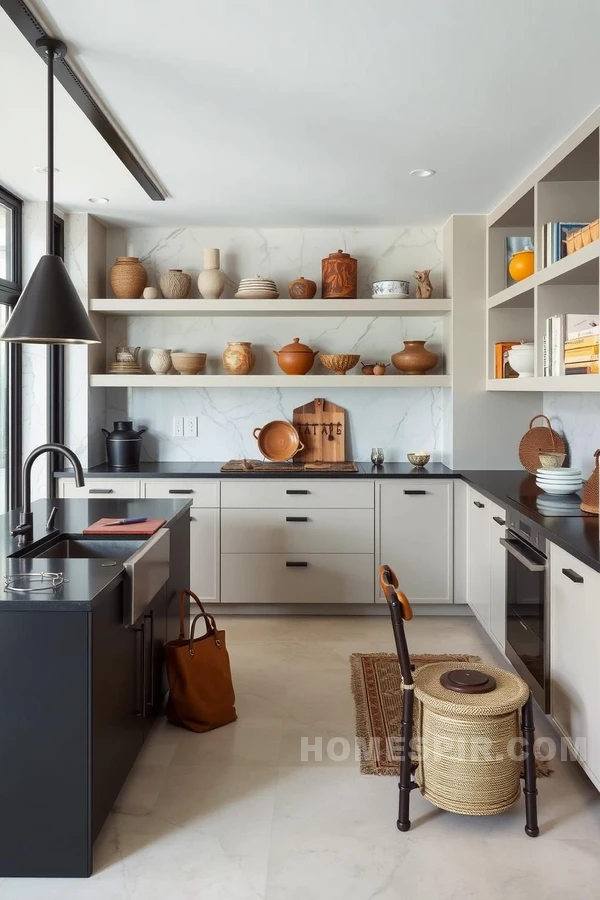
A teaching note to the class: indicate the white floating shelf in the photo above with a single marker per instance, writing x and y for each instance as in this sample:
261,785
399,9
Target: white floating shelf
563,383
271,381
281,307
578,268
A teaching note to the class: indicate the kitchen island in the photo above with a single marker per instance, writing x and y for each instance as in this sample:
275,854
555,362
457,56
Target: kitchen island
80,685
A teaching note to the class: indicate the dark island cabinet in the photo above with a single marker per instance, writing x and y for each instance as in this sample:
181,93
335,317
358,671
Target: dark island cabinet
80,693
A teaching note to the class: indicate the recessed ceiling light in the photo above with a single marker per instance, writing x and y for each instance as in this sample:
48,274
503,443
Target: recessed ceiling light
43,170
423,173
98,200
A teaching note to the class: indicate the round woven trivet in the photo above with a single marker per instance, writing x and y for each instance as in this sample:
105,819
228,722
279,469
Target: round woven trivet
541,439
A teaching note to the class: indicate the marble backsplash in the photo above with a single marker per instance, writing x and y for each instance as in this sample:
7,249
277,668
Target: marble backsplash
577,416
395,419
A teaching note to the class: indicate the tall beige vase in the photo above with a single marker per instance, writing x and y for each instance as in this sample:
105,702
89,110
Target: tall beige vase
211,281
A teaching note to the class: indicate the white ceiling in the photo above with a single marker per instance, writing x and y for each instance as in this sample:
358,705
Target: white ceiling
310,112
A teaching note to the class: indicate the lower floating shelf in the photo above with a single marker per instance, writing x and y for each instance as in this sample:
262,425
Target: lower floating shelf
563,383
271,381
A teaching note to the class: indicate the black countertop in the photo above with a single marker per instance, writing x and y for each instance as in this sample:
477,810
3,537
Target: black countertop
88,579
578,535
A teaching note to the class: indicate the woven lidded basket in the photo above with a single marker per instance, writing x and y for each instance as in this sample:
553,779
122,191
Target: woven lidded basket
541,439
591,490
467,741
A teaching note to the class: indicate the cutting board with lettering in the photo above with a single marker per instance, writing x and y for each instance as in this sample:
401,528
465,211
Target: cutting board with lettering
322,429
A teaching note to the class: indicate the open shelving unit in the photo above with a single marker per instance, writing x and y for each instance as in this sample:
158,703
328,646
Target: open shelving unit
280,307
565,188
272,381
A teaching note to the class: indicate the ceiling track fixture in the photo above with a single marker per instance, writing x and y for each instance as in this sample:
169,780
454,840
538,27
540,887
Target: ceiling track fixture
49,310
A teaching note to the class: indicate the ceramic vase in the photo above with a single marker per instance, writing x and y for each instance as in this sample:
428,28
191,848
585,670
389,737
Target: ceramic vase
414,359
339,274
128,278
211,281
238,358
302,289
175,284
160,361
520,358
150,293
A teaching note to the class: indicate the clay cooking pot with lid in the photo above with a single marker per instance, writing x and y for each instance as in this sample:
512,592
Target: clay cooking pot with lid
295,358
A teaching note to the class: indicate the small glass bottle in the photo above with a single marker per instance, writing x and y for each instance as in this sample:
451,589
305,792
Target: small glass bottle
377,457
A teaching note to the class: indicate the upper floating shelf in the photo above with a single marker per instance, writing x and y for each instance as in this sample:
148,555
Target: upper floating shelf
272,381
578,268
558,383
281,307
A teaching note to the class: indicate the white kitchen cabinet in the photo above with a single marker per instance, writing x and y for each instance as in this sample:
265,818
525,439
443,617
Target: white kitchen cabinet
202,493
205,562
497,527
297,531
108,488
574,657
299,493
416,536
478,556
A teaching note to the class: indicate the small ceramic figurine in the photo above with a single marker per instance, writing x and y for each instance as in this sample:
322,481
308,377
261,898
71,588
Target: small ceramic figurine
424,286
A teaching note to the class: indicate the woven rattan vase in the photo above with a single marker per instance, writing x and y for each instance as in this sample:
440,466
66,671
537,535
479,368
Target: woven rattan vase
128,278
542,439
591,490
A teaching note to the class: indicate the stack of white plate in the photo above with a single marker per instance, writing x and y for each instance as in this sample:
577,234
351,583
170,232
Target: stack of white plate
257,289
559,481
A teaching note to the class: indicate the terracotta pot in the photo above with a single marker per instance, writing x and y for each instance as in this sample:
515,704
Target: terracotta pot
211,281
339,271
278,441
175,284
414,359
238,358
521,265
295,358
128,278
302,289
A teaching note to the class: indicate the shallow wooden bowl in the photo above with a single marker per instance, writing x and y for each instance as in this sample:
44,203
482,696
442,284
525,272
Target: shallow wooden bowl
339,363
188,363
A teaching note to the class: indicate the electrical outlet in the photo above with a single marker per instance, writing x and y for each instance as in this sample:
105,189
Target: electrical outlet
190,426
178,426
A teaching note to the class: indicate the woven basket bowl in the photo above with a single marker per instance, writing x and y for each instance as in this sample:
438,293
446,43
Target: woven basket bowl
542,439
591,490
128,278
188,363
339,363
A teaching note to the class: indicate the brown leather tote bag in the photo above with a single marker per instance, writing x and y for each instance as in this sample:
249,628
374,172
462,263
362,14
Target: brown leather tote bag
201,690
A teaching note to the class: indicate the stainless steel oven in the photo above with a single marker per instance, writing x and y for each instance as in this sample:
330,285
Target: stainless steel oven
527,632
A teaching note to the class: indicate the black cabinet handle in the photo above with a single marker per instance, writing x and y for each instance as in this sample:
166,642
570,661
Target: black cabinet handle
296,518
499,520
141,673
181,490
297,565
150,703
415,492
478,504
297,492
574,576
100,491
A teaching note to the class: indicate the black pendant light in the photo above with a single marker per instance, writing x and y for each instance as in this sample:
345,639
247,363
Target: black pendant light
49,310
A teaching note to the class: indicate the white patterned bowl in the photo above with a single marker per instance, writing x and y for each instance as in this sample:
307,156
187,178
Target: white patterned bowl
390,290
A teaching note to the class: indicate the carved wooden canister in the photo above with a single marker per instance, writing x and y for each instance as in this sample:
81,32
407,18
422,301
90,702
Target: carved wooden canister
339,272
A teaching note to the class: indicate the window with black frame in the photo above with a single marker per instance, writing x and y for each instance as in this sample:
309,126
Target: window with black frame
10,354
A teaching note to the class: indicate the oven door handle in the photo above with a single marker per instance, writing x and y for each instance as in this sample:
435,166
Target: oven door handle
518,554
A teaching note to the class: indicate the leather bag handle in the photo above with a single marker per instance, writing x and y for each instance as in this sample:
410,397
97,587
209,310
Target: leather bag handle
211,625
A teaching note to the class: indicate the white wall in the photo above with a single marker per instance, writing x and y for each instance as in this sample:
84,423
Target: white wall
397,420
577,416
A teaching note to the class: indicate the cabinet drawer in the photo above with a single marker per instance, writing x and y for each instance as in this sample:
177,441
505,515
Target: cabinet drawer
297,531
313,578
298,494
201,493
129,488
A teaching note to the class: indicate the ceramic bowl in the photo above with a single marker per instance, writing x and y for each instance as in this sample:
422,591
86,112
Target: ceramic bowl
339,363
418,459
560,488
520,358
391,290
188,363
552,460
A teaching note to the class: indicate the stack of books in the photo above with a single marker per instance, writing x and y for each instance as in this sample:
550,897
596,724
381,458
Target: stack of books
571,345
554,240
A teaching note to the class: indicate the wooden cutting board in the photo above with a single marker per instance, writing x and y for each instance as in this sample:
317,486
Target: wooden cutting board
322,429
148,527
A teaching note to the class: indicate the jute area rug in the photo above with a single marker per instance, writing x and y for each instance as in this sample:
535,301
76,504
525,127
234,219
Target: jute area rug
377,690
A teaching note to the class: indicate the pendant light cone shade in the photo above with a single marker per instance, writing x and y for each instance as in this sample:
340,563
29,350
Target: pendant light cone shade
49,310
